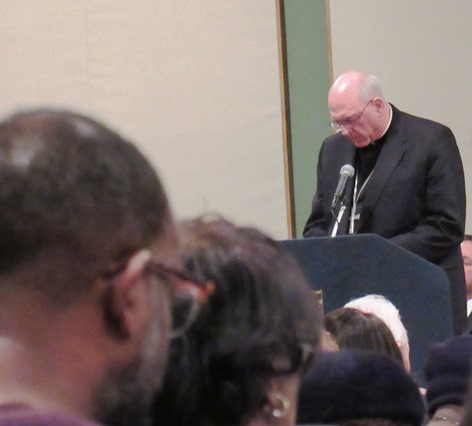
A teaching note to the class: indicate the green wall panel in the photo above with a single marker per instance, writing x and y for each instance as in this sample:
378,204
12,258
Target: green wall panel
308,78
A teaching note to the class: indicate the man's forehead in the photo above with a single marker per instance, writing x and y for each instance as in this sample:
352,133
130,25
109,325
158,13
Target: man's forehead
342,108
343,102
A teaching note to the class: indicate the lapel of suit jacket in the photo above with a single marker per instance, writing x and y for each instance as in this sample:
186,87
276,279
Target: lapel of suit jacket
391,154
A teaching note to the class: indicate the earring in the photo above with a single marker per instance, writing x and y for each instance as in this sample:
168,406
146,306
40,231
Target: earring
283,405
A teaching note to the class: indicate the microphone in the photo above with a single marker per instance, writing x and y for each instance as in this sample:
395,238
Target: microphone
346,172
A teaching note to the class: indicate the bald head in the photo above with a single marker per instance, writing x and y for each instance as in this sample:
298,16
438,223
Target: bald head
358,108
74,193
353,86
82,213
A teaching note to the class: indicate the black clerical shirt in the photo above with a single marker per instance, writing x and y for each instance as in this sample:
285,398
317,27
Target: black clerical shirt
366,158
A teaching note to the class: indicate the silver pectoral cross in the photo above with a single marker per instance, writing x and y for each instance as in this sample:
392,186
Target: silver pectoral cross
354,216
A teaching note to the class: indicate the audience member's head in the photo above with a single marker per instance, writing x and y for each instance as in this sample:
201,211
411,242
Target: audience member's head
327,342
447,372
358,388
241,360
84,325
466,248
352,328
389,314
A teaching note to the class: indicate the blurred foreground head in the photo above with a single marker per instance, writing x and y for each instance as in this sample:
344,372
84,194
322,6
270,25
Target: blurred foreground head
241,360
358,388
447,371
82,322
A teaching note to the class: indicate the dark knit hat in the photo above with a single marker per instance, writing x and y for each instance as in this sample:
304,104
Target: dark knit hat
447,371
353,384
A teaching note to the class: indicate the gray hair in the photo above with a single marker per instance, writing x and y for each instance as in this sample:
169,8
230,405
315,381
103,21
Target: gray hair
371,88
386,311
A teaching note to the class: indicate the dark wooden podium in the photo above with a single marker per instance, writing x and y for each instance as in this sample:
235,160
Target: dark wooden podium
350,266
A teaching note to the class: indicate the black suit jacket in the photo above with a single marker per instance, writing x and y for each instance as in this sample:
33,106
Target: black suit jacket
415,197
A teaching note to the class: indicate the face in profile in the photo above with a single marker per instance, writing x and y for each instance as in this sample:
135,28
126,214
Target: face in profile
125,397
126,394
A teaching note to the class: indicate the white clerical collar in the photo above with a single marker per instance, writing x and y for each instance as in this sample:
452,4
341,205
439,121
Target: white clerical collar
389,120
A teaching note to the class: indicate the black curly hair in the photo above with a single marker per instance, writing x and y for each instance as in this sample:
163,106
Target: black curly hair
254,326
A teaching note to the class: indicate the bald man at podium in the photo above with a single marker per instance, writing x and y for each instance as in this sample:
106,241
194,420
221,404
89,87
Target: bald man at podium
390,173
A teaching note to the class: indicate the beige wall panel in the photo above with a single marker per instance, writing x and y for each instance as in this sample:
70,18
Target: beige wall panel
194,83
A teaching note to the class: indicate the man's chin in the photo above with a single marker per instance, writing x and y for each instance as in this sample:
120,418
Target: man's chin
360,143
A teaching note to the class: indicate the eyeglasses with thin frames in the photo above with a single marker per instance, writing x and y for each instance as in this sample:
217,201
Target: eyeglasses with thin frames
350,121
189,295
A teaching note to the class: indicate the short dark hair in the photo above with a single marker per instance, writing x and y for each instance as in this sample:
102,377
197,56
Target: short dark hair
352,328
74,195
467,237
251,329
